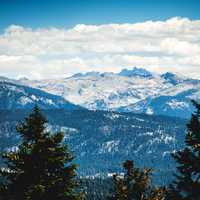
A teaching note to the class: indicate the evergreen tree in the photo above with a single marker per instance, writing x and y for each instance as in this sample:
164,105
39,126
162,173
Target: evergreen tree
135,185
41,168
187,183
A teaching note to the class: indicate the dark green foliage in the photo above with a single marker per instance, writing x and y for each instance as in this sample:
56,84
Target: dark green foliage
133,136
187,183
135,184
96,188
41,168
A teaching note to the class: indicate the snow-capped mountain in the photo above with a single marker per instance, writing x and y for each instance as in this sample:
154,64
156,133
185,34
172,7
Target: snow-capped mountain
135,72
173,78
14,96
107,91
136,90
173,101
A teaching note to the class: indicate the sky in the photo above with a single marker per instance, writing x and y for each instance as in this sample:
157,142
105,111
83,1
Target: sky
53,39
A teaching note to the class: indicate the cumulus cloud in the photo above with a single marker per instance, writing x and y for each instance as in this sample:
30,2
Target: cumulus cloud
159,46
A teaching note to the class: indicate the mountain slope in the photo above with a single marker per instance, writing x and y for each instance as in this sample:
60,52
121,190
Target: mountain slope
101,140
14,96
175,101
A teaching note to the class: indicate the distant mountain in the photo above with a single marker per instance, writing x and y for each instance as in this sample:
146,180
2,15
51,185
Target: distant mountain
174,101
135,72
102,140
172,78
14,96
5,79
107,91
93,73
136,90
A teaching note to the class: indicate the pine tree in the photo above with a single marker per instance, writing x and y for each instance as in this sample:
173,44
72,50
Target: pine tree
135,185
187,183
41,168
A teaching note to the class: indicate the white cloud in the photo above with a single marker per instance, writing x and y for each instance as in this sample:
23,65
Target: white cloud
171,45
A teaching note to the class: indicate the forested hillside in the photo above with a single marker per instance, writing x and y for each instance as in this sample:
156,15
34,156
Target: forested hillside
102,140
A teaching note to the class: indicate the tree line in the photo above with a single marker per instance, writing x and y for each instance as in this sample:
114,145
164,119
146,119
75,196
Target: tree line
42,168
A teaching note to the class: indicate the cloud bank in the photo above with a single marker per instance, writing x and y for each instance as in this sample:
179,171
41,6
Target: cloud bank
159,46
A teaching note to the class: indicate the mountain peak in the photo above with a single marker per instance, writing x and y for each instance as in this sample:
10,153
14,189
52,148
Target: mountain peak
168,75
92,73
24,78
3,78
135,72
171,78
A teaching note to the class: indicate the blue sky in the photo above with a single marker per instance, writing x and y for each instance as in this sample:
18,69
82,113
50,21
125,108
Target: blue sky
68,13
53,39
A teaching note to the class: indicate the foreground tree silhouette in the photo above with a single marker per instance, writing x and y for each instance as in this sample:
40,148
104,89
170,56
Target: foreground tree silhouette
187,183
135,185
41,168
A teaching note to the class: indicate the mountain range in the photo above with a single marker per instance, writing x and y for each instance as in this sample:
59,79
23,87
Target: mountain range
107,117
136,90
